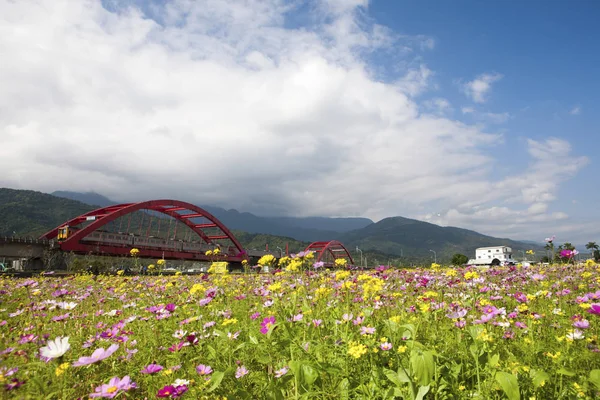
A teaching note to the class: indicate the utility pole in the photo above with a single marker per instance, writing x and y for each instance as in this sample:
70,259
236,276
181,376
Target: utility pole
361,255
434,256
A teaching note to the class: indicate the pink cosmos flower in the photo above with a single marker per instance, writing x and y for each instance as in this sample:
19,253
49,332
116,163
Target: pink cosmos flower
266,324
241,371
280,372
114,387
204,369
14,384
97,355
152,369
581,324
255,315
385,346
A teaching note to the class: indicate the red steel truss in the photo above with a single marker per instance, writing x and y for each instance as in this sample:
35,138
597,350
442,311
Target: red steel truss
335,248
173,208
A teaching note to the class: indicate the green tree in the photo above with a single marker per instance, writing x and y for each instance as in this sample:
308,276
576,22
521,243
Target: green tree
592,247
459,259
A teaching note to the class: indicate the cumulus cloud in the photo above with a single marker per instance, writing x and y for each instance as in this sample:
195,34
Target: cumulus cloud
247,104
479,88
525,197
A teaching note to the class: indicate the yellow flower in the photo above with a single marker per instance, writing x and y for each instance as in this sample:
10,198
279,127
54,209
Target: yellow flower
341,262
523,307
356,349
134,252
266,260
61,369
340,275
402,349
471,275
322,292
161,262
229,321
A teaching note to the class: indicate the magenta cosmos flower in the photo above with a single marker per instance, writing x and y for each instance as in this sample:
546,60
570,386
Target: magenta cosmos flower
594,309
114,387
172,391
152,369
266,324
98,355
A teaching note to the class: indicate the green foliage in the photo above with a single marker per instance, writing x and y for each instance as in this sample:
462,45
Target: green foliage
30,213
459,259
387,344
509,385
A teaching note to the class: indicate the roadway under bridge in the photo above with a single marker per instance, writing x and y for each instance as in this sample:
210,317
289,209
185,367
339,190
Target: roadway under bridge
159,229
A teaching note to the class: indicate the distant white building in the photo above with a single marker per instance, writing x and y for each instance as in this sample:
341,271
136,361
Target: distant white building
495,255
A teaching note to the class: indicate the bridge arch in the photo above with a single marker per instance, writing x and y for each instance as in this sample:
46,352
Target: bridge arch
333,247
181,211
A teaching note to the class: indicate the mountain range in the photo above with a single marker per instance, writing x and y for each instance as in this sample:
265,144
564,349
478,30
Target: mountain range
406,240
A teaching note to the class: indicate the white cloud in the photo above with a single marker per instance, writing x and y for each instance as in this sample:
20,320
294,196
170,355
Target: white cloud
221,103
479,88
529,195
575,110
438,105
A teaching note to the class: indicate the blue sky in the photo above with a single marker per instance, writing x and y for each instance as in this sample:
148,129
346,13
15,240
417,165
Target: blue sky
477,114
545,51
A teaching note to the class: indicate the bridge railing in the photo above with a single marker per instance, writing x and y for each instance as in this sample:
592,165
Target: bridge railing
17,239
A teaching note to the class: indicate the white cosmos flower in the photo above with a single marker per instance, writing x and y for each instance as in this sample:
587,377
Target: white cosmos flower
181,382
55,348
66,306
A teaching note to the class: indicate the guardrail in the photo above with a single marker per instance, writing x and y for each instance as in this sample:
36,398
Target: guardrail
13,239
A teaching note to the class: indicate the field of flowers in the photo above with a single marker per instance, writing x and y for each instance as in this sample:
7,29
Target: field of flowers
305,333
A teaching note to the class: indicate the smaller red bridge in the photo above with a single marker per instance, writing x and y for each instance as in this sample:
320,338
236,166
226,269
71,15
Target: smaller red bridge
328,252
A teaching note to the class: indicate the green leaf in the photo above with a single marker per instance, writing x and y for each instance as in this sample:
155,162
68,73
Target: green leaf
215,380
509,384
564,371
538,377
595,377
409,332
474,350
423,390
212,351
493,360
253,339
343,389
397,378
262,358
295,367
309,374
455,370
423,366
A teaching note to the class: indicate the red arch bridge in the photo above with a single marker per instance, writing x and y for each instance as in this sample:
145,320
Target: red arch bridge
167,229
